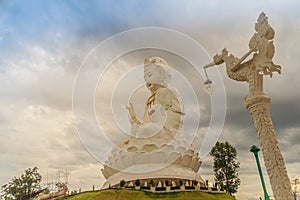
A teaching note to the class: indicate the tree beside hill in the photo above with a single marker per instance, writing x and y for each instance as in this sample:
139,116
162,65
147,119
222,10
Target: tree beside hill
226,167
22,187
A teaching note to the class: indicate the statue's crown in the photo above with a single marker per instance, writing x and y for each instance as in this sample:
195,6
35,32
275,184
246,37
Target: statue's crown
156,61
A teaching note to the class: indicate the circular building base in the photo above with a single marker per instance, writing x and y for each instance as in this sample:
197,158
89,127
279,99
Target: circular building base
171,172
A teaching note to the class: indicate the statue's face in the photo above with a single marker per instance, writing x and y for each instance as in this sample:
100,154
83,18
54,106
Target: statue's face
152,74
153,77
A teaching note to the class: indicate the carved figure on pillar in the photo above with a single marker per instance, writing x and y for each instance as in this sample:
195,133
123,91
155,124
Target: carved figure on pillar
261,63
252,71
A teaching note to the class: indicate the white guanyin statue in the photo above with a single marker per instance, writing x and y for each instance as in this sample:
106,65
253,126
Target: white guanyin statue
157,148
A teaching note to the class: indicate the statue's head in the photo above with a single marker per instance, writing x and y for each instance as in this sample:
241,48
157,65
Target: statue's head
156,72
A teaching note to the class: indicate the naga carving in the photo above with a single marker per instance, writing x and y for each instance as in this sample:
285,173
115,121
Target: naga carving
262,47
252,71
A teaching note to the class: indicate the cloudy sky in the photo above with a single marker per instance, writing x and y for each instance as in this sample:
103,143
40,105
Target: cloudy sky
44,44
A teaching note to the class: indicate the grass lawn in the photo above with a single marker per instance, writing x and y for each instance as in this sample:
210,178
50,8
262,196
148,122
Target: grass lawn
127,194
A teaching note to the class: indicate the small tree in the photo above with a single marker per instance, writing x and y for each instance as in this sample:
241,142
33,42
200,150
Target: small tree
122,183
23,186
167,182
195,182
226,167
152,182
137,182
181,182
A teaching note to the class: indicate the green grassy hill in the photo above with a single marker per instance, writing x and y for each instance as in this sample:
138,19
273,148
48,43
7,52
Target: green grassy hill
127,194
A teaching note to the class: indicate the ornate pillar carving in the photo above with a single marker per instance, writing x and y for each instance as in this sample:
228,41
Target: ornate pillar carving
259,107
252,71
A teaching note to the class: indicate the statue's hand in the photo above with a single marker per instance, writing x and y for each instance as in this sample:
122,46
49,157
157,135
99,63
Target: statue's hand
131,112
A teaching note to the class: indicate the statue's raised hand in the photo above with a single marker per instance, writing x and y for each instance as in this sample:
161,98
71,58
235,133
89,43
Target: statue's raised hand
131,112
